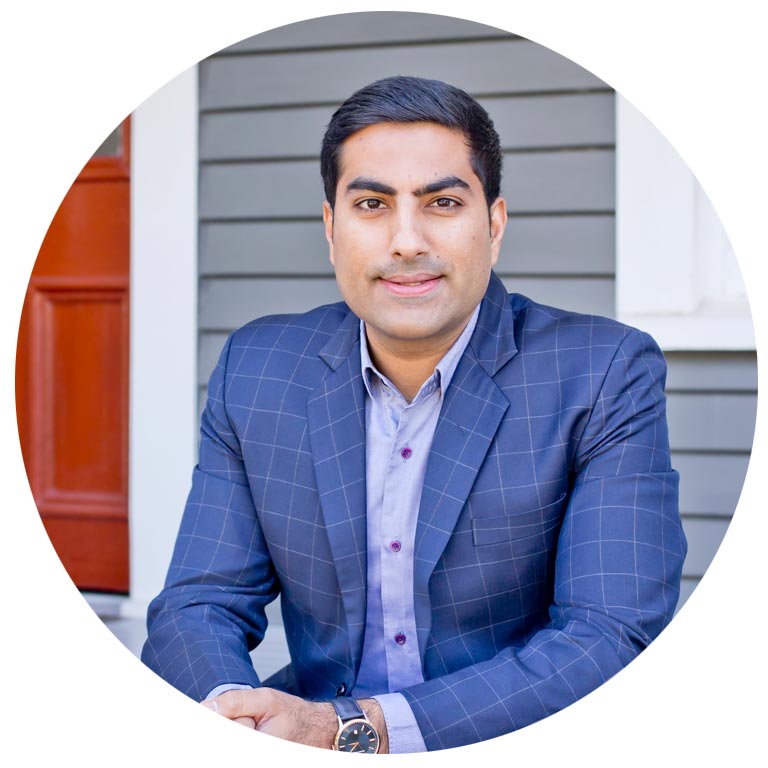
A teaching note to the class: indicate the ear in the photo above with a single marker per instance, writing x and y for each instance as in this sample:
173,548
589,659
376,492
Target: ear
328,221
498,215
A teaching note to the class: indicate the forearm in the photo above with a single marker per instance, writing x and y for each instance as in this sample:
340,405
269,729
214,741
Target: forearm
207,618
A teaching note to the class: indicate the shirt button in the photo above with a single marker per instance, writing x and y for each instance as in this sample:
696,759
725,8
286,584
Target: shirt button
395,545
400,638
406,453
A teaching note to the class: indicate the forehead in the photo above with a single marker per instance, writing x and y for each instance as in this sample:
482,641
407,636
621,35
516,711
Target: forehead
413,150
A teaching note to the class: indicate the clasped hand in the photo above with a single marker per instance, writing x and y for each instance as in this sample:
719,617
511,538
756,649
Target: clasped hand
289,717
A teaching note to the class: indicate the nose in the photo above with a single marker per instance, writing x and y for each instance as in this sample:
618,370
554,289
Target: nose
408,240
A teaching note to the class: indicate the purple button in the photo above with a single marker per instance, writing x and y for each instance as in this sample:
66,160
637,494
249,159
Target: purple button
400,638
406,453
395,545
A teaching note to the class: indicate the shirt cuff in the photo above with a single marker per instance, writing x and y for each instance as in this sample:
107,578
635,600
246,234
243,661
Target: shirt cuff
402,730
219,689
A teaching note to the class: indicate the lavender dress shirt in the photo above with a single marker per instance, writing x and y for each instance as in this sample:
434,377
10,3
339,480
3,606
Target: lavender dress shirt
398,440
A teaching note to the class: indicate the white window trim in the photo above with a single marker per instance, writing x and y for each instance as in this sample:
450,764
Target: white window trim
163,409
676,275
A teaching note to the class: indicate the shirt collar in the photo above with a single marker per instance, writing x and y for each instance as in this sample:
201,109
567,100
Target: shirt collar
443,372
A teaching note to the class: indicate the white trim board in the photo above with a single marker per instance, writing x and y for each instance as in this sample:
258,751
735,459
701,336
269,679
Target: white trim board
163,410
676,274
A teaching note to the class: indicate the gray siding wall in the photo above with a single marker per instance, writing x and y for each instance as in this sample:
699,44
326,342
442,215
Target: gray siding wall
264,104
712,402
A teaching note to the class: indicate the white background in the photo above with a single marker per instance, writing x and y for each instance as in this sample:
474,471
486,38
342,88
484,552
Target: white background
70,72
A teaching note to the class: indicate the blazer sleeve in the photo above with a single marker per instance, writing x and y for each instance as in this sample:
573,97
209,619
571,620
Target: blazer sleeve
211,611
618,566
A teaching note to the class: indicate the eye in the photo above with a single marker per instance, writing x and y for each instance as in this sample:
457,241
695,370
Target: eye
445,202
370,204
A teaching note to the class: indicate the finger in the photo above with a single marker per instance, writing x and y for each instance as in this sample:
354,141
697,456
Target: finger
239,703
213,705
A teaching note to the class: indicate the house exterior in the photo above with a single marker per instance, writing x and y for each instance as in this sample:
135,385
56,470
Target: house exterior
605,218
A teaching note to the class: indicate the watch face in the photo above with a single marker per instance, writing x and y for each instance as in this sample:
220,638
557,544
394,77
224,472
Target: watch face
357,736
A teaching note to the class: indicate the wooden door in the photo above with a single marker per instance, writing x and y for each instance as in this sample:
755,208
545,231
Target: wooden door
72,373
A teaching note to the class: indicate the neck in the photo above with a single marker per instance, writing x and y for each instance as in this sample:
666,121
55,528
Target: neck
406,366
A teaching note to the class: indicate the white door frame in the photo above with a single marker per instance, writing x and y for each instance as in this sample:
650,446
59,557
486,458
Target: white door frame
163,392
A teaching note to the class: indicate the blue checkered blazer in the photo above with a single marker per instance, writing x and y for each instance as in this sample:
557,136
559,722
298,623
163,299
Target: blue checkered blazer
549,547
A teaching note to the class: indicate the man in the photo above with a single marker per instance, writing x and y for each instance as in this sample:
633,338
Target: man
463,497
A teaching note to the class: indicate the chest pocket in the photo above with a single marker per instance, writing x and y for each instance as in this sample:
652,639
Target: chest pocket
517,526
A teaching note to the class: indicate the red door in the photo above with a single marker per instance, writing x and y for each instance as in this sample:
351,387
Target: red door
72,373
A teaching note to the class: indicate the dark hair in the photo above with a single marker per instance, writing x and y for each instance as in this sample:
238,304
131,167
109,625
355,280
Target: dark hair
414,100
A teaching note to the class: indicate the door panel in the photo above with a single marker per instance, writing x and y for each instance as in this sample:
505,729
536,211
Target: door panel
72,373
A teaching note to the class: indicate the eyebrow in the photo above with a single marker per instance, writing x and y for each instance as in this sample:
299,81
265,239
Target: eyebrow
447,182
365,184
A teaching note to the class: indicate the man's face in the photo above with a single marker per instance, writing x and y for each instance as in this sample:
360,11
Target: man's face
410,236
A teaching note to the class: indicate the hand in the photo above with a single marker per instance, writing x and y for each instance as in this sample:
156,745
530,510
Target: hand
279,714
290,717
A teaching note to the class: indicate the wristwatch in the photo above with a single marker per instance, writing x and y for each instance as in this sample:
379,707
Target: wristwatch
356,732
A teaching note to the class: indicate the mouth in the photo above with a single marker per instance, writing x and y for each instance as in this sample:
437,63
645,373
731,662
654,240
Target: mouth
411,285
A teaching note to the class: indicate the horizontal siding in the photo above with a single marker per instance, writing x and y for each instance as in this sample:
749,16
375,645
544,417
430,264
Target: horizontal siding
722,421
536,182
227,304
364,29
264,248
712,407
687,587
710,484
704,538
562,245
566,120
312,77
575,293
210,344
714,371
524,123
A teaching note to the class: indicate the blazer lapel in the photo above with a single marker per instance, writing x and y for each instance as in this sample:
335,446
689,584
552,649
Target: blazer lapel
469,419
336,416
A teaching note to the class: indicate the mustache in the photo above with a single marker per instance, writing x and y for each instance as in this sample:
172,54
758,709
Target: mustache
403,268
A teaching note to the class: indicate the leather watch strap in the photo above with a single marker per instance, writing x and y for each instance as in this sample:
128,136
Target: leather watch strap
347,708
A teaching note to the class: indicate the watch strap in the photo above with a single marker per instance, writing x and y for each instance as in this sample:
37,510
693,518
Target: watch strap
347,709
